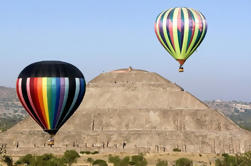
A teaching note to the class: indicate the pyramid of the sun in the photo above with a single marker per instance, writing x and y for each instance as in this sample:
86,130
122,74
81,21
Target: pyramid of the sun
134,111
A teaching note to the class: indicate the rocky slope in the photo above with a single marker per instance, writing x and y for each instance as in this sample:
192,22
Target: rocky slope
11,110
239,112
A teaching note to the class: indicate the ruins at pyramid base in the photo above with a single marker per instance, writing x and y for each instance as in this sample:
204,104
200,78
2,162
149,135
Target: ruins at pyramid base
134,111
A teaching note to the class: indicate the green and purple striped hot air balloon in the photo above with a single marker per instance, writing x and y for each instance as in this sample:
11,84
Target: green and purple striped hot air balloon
50,91
180,31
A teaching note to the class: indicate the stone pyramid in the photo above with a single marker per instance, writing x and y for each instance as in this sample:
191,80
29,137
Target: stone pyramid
133,111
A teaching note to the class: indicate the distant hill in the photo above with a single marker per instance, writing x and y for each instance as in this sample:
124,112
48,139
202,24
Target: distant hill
7,94
11,110
239,112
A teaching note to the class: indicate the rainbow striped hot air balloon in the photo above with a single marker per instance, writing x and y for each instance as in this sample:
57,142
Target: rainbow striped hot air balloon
50,91
180,31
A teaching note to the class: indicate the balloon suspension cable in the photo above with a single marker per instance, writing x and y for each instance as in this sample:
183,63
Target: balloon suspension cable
181,69
51,140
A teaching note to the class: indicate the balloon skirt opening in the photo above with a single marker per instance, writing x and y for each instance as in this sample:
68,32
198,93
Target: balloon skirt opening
51,132
181,61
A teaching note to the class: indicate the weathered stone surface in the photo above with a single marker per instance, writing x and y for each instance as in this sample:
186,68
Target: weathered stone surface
135,111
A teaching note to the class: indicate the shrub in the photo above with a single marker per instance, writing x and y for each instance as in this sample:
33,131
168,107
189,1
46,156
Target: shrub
25,160
247,157
125,161
183,162
45,159
237,160
114,159
48,161
85,152
16,163
88,152
132,163
176,150
99,163
136,160
56,162
8,160
218,162
70,156
119,162
225,155
139,160
95,152
162,163
90,160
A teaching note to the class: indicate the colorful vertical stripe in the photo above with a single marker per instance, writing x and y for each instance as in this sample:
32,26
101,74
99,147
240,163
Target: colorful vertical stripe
50,100
180,31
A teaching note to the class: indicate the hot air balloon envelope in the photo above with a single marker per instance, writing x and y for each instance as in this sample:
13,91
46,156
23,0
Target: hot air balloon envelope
180,31
50,91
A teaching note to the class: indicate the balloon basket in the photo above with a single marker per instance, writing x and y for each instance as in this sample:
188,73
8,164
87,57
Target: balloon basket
50,142
181,69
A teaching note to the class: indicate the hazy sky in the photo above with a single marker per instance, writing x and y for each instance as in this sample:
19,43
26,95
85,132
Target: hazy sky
99,36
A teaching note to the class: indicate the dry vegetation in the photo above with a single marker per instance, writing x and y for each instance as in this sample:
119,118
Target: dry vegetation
71,157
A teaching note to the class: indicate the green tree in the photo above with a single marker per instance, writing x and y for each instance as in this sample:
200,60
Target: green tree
246,158
139,160
125,161
162,163
70,156
95,152
136,160
85,152
218,162
114,159
119,162
25,160
183,162
43,160
2,151
176,150
8,160
99,163
90,160
237,160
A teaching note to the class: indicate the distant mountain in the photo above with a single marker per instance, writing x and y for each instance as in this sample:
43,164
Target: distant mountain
11,111
7,93
239,112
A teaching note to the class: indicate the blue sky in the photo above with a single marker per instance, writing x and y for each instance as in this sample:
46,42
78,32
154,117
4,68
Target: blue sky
99,36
